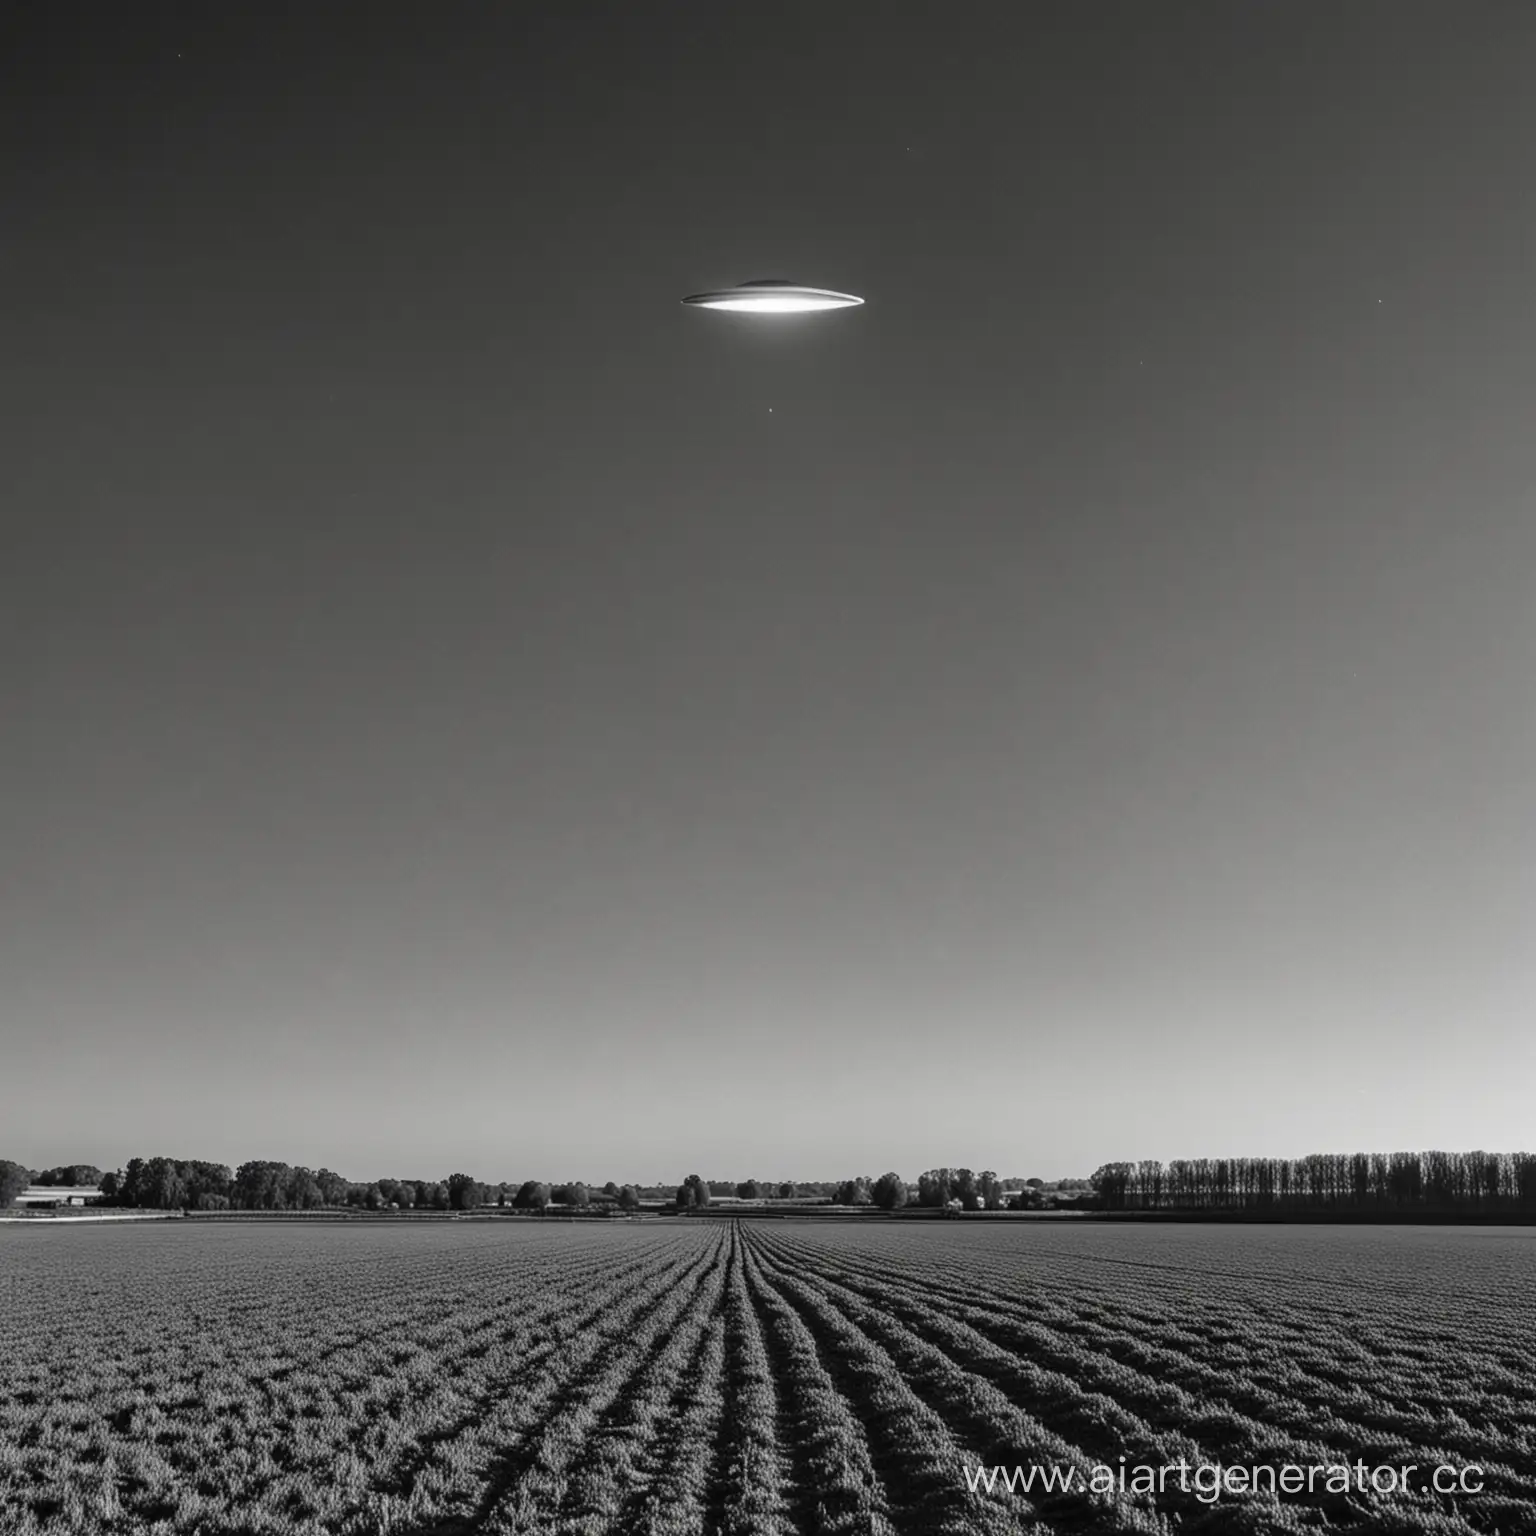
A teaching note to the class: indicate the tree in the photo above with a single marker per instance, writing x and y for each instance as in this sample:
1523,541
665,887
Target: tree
1111,1181
127,1182
532,1196
610,1189
259,1186
749,1189
333,1188
692,1194
163,1187
889,1192
936,1187
852,1192
69,1176
463,1192
167,1184
629,1198
788,1191
304,1191
13,1179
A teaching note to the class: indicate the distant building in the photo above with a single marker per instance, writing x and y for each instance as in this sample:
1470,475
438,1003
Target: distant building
50,1197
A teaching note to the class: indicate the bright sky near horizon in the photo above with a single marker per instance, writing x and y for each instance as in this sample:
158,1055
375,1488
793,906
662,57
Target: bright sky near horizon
464,709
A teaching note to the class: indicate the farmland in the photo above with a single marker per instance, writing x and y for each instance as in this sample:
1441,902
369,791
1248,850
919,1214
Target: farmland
773,1377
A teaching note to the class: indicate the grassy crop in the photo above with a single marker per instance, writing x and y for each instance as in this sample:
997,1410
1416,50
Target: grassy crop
719,1378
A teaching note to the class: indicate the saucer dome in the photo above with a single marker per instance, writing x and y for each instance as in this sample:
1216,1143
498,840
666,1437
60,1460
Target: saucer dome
772,296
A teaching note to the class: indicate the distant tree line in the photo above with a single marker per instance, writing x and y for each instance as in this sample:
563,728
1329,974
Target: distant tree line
172,1184
975,1191
1449,1183
1483,1183
695,1193
168,1184
938,1188
763,1189
70,1176
165,1183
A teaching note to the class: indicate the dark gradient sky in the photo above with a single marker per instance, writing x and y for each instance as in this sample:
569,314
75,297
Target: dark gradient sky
463,709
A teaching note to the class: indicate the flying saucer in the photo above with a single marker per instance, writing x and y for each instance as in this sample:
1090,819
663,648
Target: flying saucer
773,296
